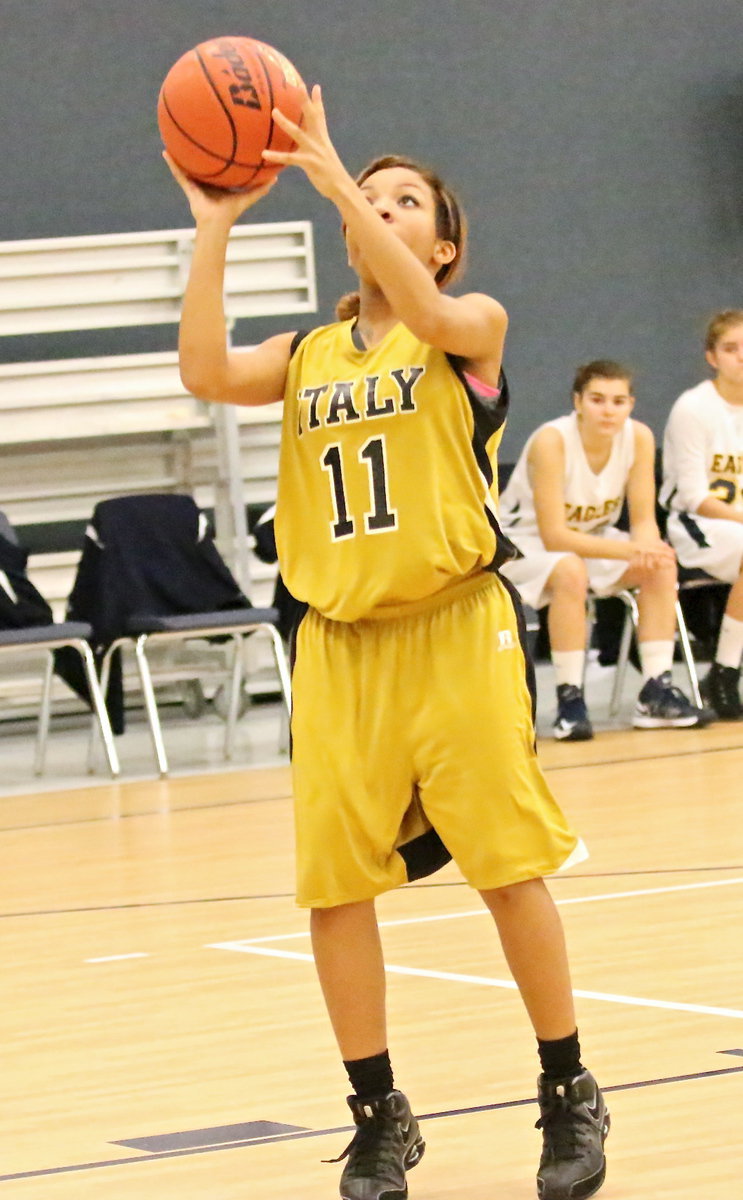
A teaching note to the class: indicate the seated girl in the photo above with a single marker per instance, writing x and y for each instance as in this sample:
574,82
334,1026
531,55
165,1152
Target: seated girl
561,508
703,488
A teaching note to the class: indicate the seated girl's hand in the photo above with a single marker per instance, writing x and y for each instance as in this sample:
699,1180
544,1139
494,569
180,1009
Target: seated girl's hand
652,555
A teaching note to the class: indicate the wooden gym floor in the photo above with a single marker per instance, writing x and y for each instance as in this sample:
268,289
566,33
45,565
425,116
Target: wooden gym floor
164,1032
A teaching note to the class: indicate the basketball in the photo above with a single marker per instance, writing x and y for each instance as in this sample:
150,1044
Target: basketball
214,110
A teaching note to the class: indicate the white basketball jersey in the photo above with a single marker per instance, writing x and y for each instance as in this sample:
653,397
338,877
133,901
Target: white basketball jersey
593,500
703,450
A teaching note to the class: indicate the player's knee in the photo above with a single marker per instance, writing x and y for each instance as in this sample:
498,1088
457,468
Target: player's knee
354,913
502,898
570,576
660,580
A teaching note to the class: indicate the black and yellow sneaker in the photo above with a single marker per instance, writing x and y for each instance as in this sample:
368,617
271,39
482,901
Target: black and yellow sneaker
387,1143
574,1125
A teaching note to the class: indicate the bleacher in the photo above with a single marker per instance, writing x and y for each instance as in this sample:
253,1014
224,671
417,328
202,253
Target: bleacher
78,430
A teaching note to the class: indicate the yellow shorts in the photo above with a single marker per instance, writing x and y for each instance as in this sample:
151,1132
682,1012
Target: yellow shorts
421,719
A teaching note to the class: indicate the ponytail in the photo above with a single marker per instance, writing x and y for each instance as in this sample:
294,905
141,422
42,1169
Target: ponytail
348,307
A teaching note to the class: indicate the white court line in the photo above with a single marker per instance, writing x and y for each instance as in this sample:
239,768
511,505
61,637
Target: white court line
251,946
116,957
482,912
485,981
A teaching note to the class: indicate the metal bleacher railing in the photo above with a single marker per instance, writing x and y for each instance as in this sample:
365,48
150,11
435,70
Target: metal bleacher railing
77,430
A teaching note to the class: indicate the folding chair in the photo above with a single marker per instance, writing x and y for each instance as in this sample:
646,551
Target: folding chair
236,624
688,580
24,603
76,635
151,573
629,627
703,599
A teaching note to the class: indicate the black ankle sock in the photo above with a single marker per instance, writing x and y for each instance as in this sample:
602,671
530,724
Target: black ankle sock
370,1077
560,1059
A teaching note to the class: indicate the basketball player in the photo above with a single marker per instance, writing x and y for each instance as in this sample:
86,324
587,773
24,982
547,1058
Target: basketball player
412,724
560,508
703,488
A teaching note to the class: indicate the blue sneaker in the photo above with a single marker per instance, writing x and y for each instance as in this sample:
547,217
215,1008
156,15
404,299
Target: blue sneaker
572,723
660,705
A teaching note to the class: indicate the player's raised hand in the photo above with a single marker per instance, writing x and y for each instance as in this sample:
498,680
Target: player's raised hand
313,152
207,202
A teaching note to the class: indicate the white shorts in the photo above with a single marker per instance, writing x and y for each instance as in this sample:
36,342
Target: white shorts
710,543
529,574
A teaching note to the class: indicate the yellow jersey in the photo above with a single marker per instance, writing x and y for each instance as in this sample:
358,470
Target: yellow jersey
387,483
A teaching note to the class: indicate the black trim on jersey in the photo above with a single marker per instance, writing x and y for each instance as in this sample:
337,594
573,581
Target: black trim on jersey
356,338
424,855
489,416
302,608
693,529
301,613
299,336
489,412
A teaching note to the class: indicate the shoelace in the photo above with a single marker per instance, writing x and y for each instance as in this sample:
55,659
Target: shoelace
376,1139
672,695
563,1128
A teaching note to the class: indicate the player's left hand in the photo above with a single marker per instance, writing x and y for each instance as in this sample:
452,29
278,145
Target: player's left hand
314,152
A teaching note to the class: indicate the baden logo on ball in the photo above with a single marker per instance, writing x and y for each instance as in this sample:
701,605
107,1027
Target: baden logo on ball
215,110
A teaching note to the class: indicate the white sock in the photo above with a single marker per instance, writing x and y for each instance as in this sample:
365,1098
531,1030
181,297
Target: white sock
730,643
569,666
655,658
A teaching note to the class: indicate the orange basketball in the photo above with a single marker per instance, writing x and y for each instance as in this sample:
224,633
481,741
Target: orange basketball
215,105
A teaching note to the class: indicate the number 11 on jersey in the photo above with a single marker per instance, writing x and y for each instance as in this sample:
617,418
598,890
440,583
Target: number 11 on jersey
380,516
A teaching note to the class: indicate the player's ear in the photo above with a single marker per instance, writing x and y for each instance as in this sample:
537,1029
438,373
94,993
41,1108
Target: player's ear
711,358
444,252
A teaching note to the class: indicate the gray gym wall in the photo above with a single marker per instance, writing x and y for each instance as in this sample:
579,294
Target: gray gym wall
597,146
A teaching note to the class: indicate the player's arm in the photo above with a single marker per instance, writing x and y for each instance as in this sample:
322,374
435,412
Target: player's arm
712,507
210,369
641,487
472,326
651,550
546,468
688,444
